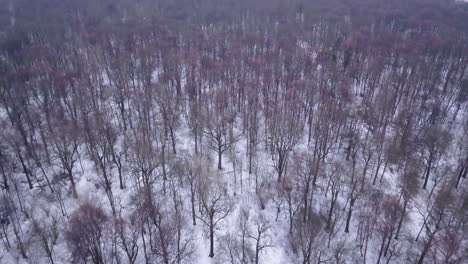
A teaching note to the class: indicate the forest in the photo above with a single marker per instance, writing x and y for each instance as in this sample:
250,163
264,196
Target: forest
233,131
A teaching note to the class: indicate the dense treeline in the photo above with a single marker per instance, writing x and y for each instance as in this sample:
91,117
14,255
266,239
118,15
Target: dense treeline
331,131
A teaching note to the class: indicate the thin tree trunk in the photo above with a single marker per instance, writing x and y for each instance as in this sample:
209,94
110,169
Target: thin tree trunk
144,245
428,171
425,249
5,180
330,213
192,201
381,249
306,200
119,168
388,243
171,130
163,159
220,154
211,239
400,223
350,211
72,180
25,170
463,173
257,250
379,163
195,135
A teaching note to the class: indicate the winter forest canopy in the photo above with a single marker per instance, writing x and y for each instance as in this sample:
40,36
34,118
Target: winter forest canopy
233,131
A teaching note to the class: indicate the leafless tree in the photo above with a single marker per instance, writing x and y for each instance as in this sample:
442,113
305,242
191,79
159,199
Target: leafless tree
86,234
286,131
65,148
306,238
261,236
47,234
218,125
435,142
216,205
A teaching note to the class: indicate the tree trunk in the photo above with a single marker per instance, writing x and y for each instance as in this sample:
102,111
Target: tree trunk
306,201
211,239
220,156
281,161
348,219
163,159
20,242
400,223
425,249
388,243
331,211
195,135
463,172
144,245
5,180
122,112
171,130
192,200
257,250
364,172
72,180
379,163
250,159
381,249
25,170
48,251
428,171
119,168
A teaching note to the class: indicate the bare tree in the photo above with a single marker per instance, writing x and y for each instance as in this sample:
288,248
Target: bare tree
409,182
292,199
171,242
434,144
286,131
261,236
216,205
218,121
170,110
335,185
387,224
306,238
129,233
4,167
47,234
235,247
86,234
65,148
